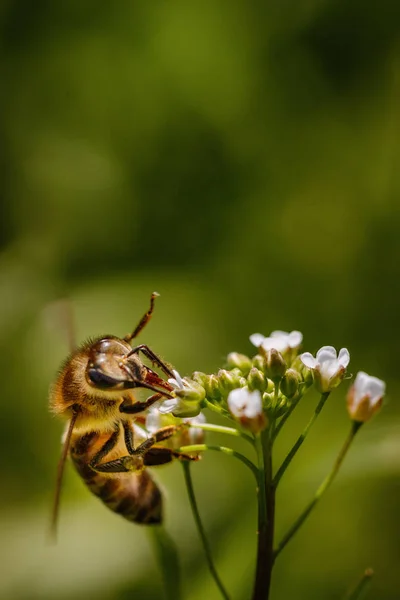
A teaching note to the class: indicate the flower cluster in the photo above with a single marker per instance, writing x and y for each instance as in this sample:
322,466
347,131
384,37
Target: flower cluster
258,391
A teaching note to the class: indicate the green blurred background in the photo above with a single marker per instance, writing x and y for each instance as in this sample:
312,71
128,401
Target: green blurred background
242,159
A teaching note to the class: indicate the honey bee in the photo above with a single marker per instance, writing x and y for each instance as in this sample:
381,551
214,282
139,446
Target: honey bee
94,390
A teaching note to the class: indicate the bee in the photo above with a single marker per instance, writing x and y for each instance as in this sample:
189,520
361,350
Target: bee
94,390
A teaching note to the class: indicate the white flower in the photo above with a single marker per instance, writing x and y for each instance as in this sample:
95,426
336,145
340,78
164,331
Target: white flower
247,408
194,435
155,420
178,383
328,368
365,397
184,436
188,395
280,340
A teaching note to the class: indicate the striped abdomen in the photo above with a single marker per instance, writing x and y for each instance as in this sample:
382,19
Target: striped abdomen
134,496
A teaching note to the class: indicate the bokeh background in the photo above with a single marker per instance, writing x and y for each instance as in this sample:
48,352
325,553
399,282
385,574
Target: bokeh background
242,159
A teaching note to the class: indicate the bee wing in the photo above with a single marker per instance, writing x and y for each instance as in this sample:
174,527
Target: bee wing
60,473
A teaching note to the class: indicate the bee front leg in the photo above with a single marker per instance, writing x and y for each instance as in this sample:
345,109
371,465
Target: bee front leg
154,358
138,407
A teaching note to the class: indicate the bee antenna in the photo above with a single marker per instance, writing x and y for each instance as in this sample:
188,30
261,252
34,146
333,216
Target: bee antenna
143,321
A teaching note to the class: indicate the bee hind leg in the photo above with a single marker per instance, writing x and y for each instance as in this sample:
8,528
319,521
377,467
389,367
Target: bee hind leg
160,456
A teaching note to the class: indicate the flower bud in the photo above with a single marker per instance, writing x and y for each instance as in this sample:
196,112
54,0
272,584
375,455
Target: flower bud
258,362
246,407
239,361
193,434
256,380
229,380
365,397
290,383
275,364
270,386
199,377
211,386
304,372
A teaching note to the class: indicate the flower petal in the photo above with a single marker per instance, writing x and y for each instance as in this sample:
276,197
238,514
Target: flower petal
344,357
376,389
278,343
326,353
295,338
178,378
308,360
279,333
153,420
329,368
168,406
257,339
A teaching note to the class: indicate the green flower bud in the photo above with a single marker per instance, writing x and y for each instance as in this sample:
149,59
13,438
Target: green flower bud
186,410
199,377
275,364
268,399
290,383
270,386
211,386
239,361
228,381
256,380
258,362
304,373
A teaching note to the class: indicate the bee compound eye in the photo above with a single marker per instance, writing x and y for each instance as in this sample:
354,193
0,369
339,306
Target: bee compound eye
100,380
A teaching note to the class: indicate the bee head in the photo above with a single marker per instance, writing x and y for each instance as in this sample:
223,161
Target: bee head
108,366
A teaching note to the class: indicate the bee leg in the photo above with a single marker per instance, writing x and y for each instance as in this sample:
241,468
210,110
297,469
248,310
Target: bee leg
159,436
125,464
128,435
138,407
160,456
155,359
119,465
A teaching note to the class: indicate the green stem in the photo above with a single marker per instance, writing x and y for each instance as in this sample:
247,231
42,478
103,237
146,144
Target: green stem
223,429
200,529
285,417
224,450
321,490
215,408
168,560
266,518
361,587
300,439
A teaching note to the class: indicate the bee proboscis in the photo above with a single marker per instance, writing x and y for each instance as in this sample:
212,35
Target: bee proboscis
94,390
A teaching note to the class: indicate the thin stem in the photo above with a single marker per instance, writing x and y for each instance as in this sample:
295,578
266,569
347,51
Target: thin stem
223,429
300,439
321,490
285,417
200,529
168,560
361,587
215,408
224,450
266,517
